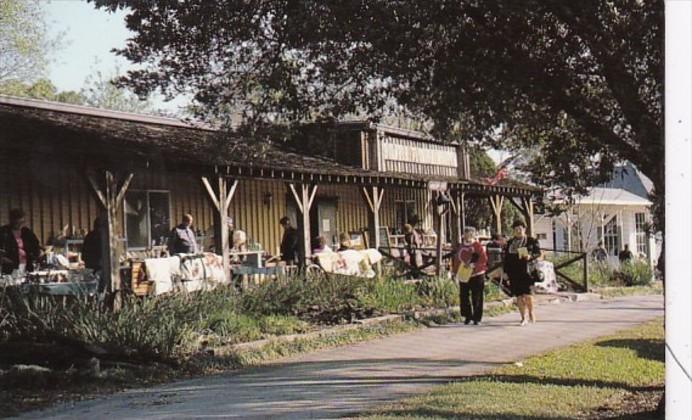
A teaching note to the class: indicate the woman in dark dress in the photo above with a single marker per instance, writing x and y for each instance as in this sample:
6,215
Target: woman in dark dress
518,252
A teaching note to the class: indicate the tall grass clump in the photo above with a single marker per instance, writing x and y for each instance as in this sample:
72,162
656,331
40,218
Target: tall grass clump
390,295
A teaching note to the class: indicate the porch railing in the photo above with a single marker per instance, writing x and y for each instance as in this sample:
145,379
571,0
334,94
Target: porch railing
572,272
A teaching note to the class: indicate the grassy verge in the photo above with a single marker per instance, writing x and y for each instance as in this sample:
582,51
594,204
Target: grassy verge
610,292
620,376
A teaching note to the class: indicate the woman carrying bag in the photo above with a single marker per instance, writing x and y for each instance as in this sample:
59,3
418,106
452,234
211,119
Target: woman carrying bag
519,254
470,262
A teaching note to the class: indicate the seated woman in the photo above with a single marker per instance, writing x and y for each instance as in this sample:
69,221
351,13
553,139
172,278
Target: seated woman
344,242
321,245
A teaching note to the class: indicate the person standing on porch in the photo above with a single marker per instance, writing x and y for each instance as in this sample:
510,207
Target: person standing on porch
519,251
91,248
470,263
625,256
182,239
600,254
413,242
19,246
289,241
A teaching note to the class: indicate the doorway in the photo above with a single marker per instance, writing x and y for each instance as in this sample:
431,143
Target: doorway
323,220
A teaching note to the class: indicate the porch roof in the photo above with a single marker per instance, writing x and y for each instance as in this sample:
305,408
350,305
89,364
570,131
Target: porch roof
115,138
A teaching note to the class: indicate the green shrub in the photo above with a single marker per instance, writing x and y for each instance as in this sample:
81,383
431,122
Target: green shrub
282,325
439,292
637,272
492,292
389,295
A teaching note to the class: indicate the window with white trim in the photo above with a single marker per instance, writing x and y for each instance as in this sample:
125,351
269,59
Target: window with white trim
610,235
640,232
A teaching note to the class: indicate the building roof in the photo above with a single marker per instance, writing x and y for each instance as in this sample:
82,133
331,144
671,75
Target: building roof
631,179
113,137
612,196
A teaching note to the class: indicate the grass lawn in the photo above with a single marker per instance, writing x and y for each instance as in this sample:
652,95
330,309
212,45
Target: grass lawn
610,292
619,376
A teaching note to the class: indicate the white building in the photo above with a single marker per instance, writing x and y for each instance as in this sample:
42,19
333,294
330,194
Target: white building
618,213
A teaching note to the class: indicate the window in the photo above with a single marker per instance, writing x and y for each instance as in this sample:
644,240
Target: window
565,239
147,218
640,232
611,236
405,210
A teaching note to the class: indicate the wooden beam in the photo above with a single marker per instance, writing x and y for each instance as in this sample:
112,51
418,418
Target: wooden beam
371,205
111,198
379,200
312,196
123,189
306,202
211,193
231,193
222,229
373,196
296,197
496,202
439,216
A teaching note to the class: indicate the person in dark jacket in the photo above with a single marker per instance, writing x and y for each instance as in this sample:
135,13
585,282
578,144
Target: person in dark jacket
518,252
625,256
91,248
182,239
19,246
289,241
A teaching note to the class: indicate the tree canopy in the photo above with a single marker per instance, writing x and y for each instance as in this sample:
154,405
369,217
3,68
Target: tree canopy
580,83
24,43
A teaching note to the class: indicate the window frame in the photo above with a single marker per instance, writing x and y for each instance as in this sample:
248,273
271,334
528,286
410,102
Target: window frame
640,233
147,192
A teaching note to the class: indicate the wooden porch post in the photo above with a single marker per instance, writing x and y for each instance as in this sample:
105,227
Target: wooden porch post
222,203
111,198
528,213
496,202
440,228
457,217
304,202
374,202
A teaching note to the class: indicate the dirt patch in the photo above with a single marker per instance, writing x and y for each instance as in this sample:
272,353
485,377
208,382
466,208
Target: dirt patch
640,405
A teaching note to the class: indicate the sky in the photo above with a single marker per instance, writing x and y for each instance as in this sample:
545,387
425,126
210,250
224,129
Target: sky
88,36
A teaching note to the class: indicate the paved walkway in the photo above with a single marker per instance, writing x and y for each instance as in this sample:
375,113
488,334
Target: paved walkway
341,381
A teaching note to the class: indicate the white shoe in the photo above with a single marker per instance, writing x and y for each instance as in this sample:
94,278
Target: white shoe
523,322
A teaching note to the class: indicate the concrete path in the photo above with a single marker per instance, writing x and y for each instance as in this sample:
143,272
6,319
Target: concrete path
346,380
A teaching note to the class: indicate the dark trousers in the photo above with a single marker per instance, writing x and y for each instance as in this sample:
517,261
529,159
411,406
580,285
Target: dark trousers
471,298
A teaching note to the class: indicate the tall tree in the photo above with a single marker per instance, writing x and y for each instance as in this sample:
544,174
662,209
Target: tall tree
40,89
579,81
99,91
24,43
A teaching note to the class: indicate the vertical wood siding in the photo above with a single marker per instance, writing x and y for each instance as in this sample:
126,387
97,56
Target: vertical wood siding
54,194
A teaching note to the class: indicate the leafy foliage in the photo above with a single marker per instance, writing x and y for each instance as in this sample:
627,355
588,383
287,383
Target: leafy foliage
167,328
24,44
579,83
40,89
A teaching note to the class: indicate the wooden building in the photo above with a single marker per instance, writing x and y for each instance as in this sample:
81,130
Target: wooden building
65,164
